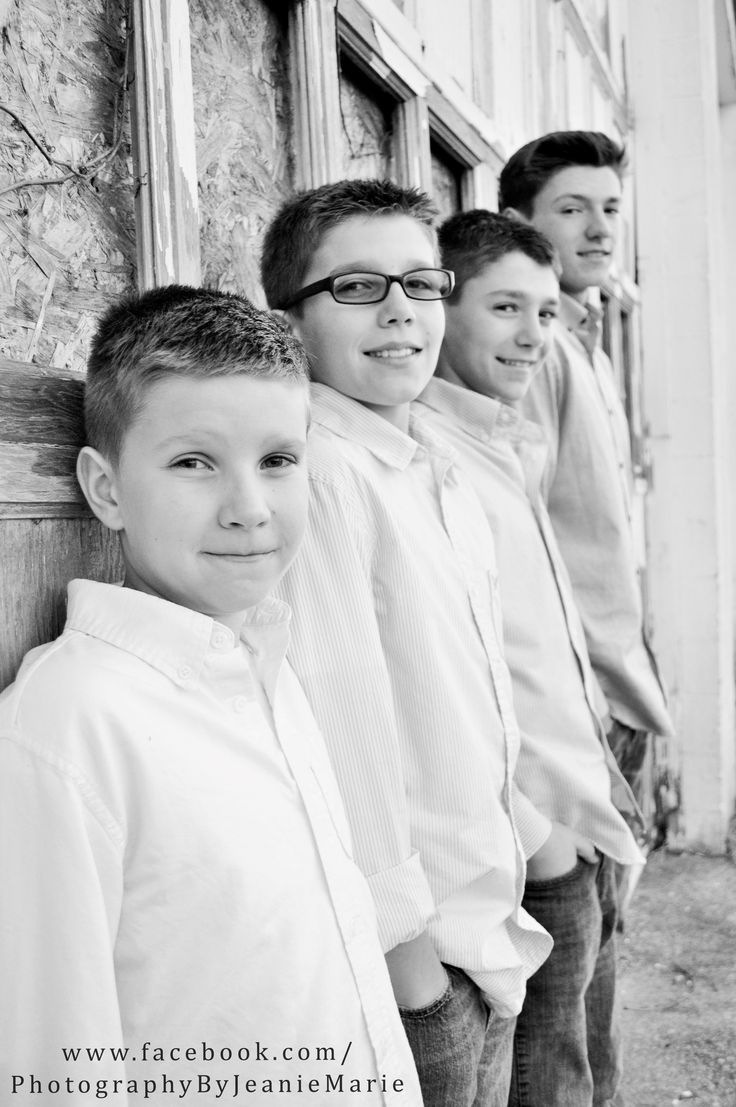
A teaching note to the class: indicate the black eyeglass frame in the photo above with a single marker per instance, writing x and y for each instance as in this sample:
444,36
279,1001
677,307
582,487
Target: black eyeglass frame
327,284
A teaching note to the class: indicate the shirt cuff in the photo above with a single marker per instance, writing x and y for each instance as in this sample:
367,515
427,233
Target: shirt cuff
532,826
404,902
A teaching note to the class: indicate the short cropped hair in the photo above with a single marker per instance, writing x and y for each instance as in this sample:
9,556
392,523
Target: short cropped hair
471,240
299,227
177,331
527,171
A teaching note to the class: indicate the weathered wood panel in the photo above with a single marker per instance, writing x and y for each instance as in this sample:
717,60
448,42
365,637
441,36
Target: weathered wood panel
47,534
41,432
40,557
243,134
68,248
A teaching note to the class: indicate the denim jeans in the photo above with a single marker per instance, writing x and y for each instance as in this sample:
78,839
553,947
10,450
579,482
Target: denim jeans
461,1049
567,1044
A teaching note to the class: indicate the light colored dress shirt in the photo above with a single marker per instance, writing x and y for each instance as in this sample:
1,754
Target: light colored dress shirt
395,641
565,766
588,486
177,868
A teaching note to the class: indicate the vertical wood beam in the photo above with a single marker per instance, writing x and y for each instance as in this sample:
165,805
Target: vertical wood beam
316,92
162,116
411,144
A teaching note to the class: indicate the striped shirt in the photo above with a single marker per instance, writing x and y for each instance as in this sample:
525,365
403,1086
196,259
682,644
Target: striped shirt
588,486
565,766
394,637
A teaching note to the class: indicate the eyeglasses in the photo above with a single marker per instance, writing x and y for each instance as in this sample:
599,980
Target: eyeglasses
371,288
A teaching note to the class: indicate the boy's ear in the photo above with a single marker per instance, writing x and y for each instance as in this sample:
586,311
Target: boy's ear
291,321
514,213
96,478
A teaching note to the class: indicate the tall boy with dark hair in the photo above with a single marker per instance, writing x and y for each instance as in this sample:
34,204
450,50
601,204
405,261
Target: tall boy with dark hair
398,642
568,185
499,326
178,891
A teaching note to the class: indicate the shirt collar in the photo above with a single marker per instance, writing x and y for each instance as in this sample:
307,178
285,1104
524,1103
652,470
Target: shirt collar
170,638
351,420
575,315
572,313
481,416
490,421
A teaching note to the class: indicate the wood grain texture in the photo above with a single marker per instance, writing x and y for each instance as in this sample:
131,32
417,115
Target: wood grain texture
39,558
41,432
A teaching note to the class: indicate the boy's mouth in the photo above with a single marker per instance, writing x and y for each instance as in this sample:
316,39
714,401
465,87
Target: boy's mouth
516,363
239,555
394,350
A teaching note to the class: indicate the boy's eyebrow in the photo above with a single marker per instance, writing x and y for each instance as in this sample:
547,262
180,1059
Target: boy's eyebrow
370,267
200,434
585,199
516,294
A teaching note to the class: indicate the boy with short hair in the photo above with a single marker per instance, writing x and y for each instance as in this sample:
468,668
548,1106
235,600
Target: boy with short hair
179,894
397,643
499,327
568,185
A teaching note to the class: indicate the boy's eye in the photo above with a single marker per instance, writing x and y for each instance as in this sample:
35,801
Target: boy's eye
358,286
193,463
548,315
506,308
419,282
279,461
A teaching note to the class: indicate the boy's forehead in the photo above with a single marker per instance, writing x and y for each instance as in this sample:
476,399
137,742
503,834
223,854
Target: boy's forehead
361,238
515,271
171,400
594,181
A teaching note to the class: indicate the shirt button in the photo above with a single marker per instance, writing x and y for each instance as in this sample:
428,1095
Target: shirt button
240,704
220,639
184,672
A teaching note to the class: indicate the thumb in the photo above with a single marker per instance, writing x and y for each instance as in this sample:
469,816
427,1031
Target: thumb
586,849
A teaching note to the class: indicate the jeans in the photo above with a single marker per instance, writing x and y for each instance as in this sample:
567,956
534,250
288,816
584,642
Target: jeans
461,1049
567,1044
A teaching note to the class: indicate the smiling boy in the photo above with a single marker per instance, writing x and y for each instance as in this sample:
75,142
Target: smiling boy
500,322
569,186
396,638
177,870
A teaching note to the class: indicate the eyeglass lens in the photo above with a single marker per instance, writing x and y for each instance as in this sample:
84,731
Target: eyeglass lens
366,288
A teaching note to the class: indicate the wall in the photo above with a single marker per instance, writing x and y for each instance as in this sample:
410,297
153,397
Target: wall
243,135
67,250
688,364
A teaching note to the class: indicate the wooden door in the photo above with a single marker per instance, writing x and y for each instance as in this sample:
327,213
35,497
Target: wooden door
48,536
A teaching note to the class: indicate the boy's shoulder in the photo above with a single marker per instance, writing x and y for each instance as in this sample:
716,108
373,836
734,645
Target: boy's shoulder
96,665
350,446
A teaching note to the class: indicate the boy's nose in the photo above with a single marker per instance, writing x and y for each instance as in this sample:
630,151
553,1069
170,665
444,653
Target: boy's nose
530,332
397,307
600,225
244,505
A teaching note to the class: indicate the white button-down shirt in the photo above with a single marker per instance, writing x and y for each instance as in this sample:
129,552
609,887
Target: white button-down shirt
565,767
177,870
588,490
395,640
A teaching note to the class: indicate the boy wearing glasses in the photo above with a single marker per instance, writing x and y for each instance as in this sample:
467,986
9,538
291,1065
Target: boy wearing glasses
397,637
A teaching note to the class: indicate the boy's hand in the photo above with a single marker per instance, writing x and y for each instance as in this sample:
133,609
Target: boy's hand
417,975
559,854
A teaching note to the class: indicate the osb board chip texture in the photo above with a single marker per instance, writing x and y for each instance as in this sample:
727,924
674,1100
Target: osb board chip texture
67,250
243,134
